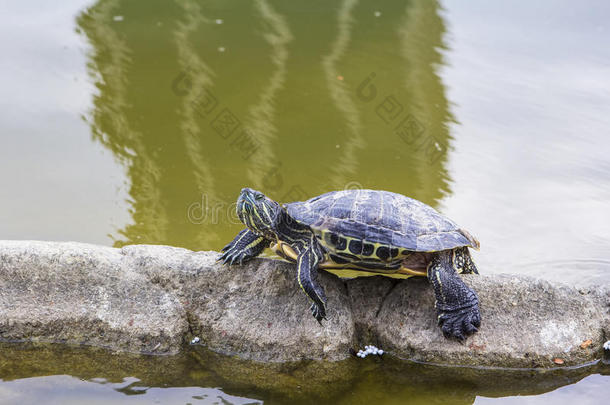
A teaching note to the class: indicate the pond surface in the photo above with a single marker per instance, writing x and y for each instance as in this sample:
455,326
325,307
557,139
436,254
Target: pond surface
60,374
139,122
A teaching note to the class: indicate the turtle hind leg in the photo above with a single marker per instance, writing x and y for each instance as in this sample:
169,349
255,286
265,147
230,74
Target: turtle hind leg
457,305
469,267
462,261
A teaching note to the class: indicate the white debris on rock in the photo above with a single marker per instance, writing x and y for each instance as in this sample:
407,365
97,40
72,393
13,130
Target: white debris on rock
369,349
195,340
607,345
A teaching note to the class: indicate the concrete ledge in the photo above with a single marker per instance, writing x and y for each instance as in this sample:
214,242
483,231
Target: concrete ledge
154,299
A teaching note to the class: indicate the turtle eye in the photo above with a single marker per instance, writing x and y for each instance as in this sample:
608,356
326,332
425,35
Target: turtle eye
259,197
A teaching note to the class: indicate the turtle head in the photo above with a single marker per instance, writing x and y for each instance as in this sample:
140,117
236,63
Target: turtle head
258,212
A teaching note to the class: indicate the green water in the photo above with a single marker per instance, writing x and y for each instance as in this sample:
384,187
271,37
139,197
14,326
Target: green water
139,122
195,109
56,374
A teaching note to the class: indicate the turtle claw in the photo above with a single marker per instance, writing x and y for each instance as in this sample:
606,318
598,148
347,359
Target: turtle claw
230,257
246,246
224,256
460,323
318,312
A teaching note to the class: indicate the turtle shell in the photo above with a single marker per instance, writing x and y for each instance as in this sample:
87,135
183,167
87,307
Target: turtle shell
382,218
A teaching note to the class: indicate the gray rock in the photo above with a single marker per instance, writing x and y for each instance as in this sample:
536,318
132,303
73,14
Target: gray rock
84,294
155,299
257,311
525,323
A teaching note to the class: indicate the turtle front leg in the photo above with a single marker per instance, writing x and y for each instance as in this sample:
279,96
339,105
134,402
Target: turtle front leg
307,275
457,305
246,246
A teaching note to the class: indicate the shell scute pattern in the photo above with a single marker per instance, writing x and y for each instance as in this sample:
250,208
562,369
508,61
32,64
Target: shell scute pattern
380,218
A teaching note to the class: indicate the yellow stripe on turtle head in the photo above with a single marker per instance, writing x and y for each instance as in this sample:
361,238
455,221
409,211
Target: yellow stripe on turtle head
267,212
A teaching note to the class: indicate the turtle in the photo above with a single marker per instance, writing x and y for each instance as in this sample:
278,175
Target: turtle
372,231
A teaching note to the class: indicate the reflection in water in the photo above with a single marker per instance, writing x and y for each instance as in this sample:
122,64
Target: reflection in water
39,374
261,114
194,123
199,80
112,121
342,95
427,98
